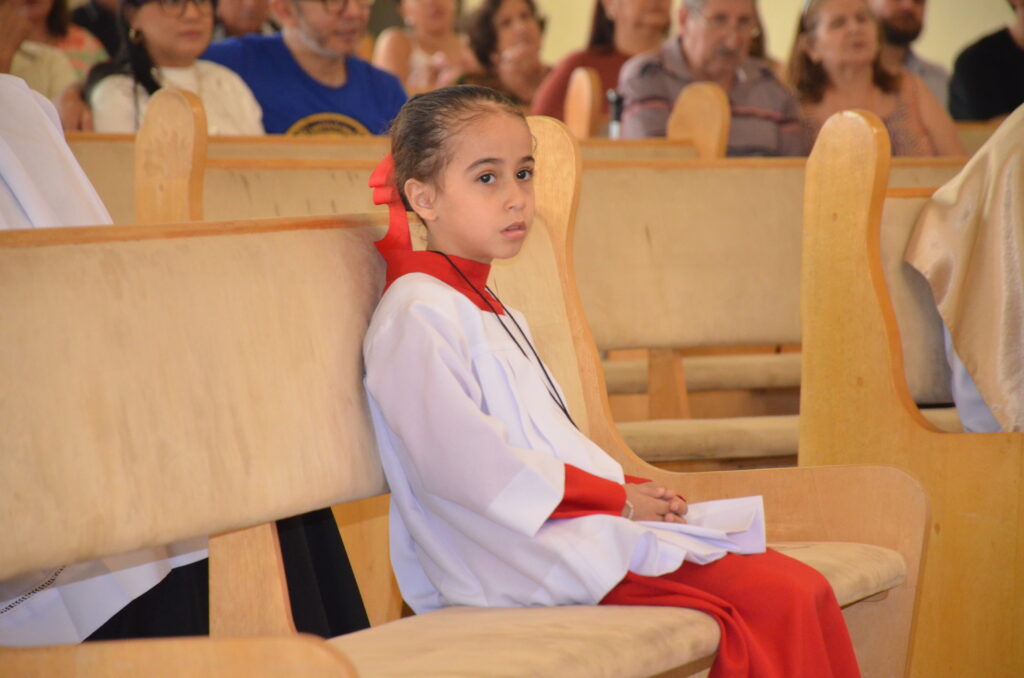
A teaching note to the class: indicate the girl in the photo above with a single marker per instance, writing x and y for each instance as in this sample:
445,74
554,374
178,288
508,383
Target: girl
428,53
497,498
163,40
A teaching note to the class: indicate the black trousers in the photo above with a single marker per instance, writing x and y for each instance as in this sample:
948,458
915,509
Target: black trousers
324,596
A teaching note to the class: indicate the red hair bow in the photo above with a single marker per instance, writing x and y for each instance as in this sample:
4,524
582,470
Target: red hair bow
385,192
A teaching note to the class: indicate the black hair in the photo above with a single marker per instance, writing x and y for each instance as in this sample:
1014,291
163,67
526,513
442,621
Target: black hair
602,29
483,34
133,58
420,133
58,20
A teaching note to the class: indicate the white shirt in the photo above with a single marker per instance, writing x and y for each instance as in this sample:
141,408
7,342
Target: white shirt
474,447
118,105
41,183
45,68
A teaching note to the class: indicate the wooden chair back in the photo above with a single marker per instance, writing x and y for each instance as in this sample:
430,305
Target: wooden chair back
170,151
856,407
973,135
206,368
701,114
583,102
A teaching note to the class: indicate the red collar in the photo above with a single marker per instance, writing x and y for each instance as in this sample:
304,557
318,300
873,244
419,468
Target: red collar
402,262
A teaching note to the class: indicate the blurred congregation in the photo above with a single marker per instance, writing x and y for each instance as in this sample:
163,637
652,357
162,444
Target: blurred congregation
340,66
721,343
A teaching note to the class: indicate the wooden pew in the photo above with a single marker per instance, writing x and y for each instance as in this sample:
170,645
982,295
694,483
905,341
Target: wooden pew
583,97
289,186
690,255
105,351
856,405
328,175
973,134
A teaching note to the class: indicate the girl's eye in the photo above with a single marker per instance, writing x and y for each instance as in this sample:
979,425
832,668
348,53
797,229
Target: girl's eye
488,178
524,174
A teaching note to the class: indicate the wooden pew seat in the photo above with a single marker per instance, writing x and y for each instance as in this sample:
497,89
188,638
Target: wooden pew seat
587,642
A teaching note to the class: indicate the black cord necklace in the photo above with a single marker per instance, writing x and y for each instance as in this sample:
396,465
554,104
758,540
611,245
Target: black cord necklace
550,386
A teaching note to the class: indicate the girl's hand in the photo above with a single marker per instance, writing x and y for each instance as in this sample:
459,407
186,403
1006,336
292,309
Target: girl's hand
654,502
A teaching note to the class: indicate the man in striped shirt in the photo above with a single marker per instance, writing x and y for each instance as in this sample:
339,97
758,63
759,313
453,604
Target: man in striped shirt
713,45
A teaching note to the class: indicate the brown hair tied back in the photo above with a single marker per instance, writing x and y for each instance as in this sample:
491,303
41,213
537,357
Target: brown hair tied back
420,133
808,78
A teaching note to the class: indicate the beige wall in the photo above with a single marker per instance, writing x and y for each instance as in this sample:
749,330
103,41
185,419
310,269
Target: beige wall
950,25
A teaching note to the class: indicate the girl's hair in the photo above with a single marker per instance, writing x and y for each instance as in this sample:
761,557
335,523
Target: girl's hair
421,133
133,59
809,79
59,19
602,29
483,34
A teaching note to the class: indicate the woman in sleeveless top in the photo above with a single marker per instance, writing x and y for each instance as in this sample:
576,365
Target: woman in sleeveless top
427,53
834,65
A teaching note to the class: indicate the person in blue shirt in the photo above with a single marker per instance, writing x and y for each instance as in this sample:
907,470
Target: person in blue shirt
307,78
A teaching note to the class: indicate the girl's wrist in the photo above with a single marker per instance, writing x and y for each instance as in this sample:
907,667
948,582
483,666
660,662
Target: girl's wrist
627,510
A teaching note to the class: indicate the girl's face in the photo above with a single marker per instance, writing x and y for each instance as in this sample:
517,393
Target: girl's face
429,16
481,206
175,32
844,33
515,24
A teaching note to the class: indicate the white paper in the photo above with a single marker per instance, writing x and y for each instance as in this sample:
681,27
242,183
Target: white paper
714,528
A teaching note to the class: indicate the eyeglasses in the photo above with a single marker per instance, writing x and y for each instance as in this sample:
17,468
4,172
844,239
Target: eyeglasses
745,26
339,6
177,7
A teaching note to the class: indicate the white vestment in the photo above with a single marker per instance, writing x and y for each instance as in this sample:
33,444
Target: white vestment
474,448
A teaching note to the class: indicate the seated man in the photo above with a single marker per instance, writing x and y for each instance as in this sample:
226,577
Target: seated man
306,78
988,76
713,44
902,22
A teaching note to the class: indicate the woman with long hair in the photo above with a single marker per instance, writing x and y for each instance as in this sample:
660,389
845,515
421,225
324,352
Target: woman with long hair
505,36
620,29
163,40
427,52
835,65
51,24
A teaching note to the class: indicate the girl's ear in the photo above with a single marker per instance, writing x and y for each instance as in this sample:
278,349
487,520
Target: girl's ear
421,196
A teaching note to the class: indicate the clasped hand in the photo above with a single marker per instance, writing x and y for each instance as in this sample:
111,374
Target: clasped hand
654,502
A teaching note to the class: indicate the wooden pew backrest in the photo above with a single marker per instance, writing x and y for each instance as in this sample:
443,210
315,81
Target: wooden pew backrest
711,249
856,407
140,356
583,102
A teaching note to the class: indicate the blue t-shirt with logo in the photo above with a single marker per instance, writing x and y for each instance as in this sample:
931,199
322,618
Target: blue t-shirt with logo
295,103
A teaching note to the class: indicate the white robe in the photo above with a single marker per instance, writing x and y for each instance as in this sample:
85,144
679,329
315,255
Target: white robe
474,448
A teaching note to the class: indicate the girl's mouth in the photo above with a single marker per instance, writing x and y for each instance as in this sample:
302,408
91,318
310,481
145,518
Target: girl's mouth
516,230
